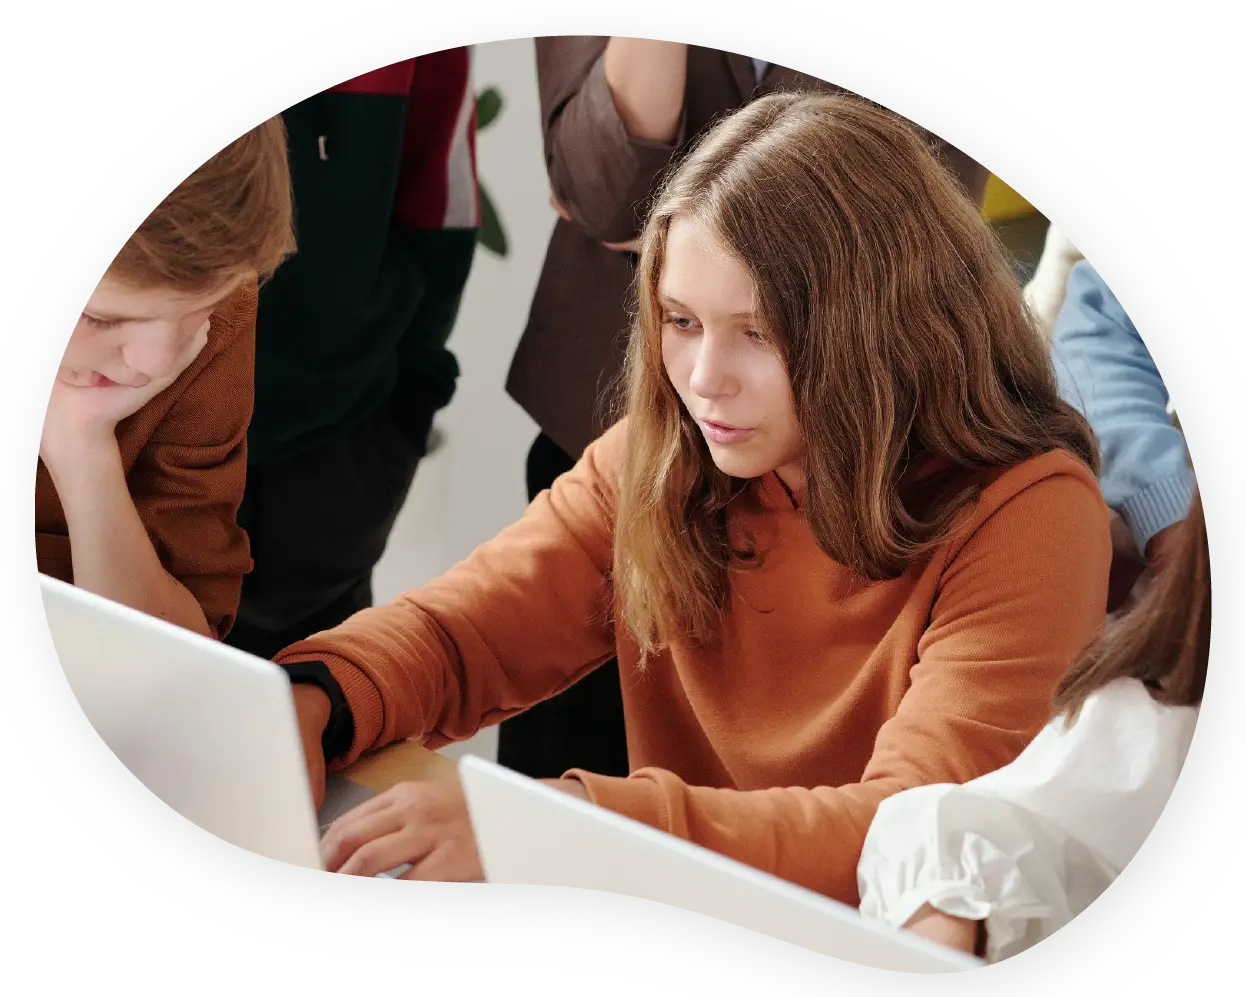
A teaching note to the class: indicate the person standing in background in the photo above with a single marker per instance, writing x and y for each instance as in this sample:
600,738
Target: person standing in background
351,357
615,113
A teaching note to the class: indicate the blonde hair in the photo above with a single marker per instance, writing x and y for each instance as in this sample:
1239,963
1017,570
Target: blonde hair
234,215
902,329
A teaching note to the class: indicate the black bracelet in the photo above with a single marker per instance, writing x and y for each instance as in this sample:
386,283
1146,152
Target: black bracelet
339,731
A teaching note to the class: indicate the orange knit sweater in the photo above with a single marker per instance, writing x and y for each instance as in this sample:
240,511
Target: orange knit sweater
827,693
184,455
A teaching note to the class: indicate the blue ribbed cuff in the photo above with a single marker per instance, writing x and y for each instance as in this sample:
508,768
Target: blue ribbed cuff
1158,506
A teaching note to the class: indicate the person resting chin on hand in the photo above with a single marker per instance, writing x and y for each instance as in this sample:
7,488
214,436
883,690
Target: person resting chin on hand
142,459
112,554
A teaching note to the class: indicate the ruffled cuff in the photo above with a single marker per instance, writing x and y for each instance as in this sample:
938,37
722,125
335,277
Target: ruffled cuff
915,855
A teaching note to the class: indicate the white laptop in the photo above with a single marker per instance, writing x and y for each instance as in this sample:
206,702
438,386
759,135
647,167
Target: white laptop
209,729
212,732
532,834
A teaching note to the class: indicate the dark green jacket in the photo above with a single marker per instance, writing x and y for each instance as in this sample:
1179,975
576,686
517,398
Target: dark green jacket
386,213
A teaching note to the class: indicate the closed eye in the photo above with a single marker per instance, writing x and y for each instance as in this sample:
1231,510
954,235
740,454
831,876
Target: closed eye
100,323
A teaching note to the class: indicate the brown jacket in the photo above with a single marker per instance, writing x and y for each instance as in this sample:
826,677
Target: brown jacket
825,694
184,455
572,349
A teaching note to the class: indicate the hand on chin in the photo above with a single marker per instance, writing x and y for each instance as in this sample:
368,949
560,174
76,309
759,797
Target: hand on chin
81,416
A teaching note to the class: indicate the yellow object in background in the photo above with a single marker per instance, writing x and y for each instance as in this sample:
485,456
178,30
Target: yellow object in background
1002,204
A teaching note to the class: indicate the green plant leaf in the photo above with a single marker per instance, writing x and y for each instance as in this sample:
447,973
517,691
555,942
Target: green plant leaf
488,107
492,236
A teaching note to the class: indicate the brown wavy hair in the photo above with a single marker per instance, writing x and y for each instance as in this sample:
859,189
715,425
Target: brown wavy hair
232,216
902,328
1163,639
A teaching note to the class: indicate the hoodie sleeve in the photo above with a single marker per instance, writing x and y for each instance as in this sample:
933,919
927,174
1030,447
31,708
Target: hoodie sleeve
188,481
524,617
1106,372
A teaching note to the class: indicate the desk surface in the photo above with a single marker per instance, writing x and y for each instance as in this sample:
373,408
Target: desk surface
377,771
400,762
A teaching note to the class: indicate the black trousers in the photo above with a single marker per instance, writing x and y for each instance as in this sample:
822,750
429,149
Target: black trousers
318,523
583,726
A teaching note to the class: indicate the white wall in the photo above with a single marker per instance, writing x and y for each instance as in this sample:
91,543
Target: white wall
474,485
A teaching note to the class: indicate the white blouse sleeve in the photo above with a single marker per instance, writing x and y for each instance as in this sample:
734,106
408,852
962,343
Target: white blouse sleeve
1028,847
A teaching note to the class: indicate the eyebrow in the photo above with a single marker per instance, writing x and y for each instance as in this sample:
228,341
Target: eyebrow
679,304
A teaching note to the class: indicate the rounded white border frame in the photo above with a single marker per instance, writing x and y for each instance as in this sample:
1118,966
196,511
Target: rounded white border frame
1114,944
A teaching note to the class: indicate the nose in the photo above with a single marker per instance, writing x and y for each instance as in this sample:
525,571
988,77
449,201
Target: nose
713,373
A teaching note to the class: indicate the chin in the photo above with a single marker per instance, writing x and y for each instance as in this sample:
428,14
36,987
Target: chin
739,465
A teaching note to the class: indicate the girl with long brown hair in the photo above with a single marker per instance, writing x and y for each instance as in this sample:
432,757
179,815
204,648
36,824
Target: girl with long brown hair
1004,861
844,542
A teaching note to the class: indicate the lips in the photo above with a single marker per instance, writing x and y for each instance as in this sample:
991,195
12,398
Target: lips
720,432
99,380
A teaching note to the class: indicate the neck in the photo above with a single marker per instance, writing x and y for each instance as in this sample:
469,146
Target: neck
791,476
